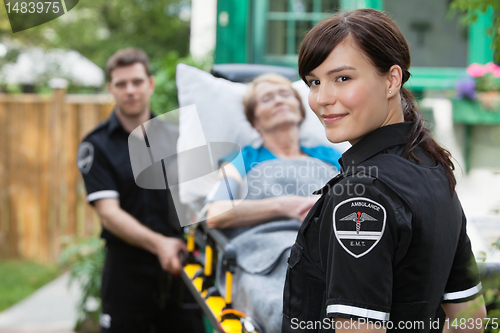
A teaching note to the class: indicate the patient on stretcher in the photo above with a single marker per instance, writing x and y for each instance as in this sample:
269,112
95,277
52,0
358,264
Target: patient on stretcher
270,193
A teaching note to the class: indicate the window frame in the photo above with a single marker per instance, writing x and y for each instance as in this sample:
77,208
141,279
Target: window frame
479,44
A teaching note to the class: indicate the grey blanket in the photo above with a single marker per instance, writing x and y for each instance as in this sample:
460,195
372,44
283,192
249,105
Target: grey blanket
262,250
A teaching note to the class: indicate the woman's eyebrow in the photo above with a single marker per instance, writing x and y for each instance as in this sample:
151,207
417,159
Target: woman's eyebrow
333,71
340,69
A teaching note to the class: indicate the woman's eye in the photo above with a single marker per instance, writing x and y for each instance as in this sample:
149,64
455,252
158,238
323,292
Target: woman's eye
342,78
313,83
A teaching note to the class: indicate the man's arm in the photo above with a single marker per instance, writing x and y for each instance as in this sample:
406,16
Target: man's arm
126,227
473,309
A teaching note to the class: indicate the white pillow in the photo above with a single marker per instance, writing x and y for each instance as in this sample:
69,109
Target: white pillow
219,104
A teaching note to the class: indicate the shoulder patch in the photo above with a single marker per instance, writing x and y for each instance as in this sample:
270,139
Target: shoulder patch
358,224
85,157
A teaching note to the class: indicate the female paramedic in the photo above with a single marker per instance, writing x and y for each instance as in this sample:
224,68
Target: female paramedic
386,245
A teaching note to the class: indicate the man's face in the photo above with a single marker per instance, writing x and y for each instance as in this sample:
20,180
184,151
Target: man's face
132,88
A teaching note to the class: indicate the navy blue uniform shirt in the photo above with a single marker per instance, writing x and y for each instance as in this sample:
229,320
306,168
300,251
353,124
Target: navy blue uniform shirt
104,161
386,242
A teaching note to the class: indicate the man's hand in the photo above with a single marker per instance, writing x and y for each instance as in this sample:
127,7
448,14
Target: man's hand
126,227
169,251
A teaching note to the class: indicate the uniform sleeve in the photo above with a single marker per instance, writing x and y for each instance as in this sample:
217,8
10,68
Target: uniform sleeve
97,173
464,283
363,245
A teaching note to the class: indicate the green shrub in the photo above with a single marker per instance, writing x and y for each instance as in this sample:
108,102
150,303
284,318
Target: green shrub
164,98
491,292
85,259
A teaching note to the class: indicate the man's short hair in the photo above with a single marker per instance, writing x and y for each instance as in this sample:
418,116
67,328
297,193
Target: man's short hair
127,57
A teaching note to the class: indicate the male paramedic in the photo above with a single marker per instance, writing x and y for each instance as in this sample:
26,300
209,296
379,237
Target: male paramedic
141,290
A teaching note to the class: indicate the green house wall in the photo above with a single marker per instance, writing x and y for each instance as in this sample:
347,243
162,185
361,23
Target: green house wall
241,39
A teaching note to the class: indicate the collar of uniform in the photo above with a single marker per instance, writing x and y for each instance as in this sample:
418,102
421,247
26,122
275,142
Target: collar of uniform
114,123
375,142
329,184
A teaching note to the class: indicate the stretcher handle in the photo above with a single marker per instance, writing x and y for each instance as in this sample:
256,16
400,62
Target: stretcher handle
230,267
219,238
209,253
191,241
229,289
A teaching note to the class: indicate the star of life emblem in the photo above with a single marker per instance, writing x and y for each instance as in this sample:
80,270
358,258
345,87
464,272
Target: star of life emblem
85,157
359,224
358,217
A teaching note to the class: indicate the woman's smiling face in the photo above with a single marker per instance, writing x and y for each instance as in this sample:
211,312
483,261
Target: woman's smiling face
349,96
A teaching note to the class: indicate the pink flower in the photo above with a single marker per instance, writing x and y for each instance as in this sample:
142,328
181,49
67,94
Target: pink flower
476,70
496,72
490,67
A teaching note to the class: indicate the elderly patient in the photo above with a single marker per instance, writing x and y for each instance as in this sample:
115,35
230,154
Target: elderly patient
270,195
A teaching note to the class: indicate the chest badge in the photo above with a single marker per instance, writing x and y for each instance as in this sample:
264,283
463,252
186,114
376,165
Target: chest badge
85,157
359,224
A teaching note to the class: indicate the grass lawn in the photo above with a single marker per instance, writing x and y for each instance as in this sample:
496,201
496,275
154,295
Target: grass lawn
19,279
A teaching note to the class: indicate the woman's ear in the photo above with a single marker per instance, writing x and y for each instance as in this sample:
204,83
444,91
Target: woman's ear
394,79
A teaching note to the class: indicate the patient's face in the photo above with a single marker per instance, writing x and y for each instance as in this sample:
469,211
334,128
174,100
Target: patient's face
276,106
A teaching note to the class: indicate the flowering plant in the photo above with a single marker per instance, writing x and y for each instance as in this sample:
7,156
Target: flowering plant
487,76
482,82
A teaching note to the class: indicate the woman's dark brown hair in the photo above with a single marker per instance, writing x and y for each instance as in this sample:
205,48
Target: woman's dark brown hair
383,43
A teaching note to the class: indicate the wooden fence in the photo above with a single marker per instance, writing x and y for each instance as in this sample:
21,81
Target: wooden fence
42,196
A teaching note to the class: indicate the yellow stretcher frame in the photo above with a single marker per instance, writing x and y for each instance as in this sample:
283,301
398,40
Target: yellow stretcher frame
198,274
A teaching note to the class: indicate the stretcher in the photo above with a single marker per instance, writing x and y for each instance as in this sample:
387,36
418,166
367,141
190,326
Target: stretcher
206,246
199,276
215,101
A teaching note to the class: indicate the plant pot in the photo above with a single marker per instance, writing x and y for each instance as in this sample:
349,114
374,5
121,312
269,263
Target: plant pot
489,99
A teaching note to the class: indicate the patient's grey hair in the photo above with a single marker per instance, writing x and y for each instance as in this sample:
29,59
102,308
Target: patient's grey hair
249,101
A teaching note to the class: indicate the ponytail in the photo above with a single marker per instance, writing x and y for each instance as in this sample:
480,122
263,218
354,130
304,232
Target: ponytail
421,136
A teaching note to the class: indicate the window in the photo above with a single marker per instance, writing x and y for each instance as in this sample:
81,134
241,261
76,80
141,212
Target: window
436,39
285,24
440,47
